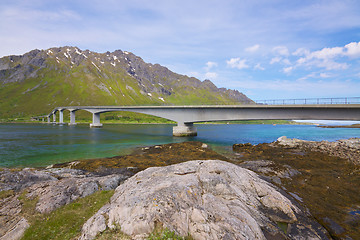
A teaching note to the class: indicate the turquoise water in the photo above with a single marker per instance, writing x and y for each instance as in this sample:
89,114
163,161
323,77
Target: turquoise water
24,145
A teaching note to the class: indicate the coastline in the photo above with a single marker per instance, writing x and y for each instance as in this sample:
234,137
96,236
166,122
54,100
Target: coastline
342,126
303,168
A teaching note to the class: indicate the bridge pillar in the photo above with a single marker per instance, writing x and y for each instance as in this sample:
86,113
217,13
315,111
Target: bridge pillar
72,118
48,119
61,116
96,121
54,117
184,130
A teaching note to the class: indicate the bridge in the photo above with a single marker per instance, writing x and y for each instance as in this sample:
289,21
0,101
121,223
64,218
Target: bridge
186,116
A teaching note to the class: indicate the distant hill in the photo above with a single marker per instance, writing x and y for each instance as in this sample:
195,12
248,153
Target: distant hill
38,81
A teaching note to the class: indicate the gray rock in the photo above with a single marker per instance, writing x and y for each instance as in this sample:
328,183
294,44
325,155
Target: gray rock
10,216
18,180
206,199
111,182
344,148
17,231
55,194
51,191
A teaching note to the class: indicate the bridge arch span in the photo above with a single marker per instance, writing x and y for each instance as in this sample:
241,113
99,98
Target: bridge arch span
185,116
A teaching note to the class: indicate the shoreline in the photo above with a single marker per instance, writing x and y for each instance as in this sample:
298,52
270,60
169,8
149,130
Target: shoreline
304,169
245,122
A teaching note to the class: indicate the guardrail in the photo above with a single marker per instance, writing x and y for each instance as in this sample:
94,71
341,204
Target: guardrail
294,101
345,100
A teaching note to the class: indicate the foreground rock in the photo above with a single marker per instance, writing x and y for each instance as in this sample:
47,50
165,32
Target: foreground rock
206,199
52,188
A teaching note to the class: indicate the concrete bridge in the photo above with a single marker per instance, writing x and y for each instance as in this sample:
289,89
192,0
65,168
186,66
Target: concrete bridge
186,116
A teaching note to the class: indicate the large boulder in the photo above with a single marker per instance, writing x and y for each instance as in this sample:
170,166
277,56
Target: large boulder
54,194
206,199
53,188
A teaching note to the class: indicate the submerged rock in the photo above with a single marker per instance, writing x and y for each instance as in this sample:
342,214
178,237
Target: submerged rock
206,199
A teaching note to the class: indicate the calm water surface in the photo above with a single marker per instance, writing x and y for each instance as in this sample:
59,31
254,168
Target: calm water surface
41,144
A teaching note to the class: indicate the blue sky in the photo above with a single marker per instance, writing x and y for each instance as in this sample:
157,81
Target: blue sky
267,49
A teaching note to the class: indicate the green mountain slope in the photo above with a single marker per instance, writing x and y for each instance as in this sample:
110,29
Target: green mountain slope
38,81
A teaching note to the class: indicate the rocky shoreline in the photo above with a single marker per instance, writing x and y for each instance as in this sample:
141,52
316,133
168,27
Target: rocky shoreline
288,189
323,176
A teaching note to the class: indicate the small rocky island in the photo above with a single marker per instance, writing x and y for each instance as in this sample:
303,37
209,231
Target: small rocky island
288,189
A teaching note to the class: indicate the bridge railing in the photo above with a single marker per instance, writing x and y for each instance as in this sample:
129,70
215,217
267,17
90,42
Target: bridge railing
295,101
345,100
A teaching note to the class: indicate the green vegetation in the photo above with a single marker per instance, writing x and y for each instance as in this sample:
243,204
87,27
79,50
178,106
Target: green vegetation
165,234
6,194
283,226
131,117
112,234
65,222
276,122
157,234
56,81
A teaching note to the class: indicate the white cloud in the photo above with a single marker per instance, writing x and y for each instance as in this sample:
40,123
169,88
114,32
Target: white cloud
328,64
237,63
259,67
281,50
210,65
352,49
286,61
325,75
252,48
288,69
326,53
211,75
301,52
325,58
275,60
301,87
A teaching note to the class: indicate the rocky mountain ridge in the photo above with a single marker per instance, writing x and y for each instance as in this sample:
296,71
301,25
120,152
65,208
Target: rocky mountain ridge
70,76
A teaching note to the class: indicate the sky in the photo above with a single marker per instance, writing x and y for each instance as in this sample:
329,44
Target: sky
267,49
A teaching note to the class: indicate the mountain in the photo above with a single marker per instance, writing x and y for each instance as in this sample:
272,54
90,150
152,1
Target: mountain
40,80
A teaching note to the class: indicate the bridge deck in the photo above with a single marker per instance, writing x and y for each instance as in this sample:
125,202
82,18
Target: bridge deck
185,116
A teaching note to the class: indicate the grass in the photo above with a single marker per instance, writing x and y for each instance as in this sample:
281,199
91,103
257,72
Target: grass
6,194
157,234
166,234
112,234
65,222
61,84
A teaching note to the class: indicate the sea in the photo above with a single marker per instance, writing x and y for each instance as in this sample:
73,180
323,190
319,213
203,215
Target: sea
40,145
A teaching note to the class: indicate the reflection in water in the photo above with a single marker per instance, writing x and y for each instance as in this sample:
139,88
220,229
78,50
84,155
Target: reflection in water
42,144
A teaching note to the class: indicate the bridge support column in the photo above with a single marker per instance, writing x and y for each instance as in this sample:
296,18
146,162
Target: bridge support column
184,130
61,116
54,118
48,119
72,118
96,121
